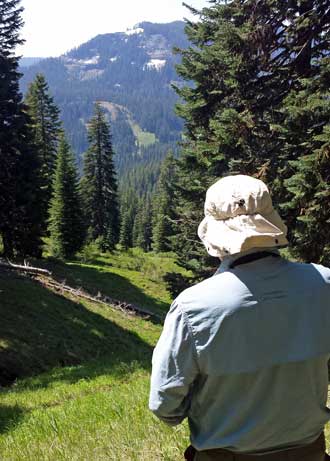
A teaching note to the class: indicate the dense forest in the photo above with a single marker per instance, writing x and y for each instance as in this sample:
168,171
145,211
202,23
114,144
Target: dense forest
253,94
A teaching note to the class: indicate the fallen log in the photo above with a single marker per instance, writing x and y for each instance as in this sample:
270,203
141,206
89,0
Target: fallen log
124,307
25,268
51,283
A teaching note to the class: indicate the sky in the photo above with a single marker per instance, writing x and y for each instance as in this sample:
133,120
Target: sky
53,27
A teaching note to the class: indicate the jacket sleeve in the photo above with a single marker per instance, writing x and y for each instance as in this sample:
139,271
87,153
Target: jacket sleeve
174,369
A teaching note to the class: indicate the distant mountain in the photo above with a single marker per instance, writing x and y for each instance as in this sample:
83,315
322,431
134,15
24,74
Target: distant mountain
130,73
27,62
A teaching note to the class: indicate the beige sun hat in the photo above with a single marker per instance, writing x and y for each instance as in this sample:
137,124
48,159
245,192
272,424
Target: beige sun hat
239,216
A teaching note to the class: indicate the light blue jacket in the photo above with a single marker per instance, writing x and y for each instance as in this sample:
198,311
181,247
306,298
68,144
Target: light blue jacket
244,356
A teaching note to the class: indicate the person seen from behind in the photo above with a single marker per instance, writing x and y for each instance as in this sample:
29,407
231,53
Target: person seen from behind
243,355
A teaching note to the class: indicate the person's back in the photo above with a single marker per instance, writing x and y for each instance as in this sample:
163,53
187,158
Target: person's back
244,356
260,351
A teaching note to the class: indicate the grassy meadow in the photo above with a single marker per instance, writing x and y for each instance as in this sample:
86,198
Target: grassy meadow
144,138
80,370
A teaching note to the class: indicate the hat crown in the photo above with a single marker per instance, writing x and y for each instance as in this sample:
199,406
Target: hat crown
237,195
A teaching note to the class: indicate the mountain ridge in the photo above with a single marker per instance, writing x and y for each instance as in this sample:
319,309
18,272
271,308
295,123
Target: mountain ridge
133,69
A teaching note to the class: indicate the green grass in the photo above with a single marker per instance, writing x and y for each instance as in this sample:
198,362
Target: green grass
145,138
40,329
87,398
61,416
130,276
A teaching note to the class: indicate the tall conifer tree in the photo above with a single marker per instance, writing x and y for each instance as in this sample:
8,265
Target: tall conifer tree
308,187
99,183
163,212
19,179
246,60
128,210
142,228
66,223
298,70
220,123
126,229
44,115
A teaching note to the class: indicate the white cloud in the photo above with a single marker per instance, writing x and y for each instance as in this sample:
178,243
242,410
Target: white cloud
54,27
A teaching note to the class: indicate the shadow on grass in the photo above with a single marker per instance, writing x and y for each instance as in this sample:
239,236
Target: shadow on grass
120,368
96,280
41,330
9,417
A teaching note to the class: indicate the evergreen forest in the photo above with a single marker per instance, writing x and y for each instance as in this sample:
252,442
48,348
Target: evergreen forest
253,88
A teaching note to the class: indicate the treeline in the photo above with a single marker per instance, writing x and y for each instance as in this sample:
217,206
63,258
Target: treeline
146,218
39,187
44,196
256,102
56,203
19,181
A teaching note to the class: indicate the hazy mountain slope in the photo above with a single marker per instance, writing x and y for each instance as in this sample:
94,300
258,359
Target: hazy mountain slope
131,71
26,62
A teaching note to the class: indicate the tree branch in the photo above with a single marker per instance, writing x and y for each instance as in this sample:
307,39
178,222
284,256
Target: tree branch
25,268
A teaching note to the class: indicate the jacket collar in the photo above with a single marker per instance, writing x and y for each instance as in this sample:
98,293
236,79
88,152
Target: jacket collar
227,261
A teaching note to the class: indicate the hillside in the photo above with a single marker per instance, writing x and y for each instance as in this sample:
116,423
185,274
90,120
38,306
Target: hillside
131,71
88,397
90,364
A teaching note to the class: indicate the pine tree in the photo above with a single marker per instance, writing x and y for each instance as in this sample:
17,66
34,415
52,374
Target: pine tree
302,183
11,22
308,186
142,229
44,115
126,227
224,134
246,60
66,224
163,215
99,183
128,210
137,223
19,178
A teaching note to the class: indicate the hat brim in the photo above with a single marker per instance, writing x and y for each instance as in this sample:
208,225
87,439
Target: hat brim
241,233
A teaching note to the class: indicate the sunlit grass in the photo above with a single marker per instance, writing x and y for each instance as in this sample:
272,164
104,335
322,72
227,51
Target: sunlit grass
145,138
131,276
105,417
95,406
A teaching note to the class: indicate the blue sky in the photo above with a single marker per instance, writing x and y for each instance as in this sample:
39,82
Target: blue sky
52,27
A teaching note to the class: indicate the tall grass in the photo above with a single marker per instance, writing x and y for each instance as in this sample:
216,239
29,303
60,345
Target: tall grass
56,417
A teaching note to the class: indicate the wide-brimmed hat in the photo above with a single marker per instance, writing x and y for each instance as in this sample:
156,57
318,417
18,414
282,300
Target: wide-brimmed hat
239,216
